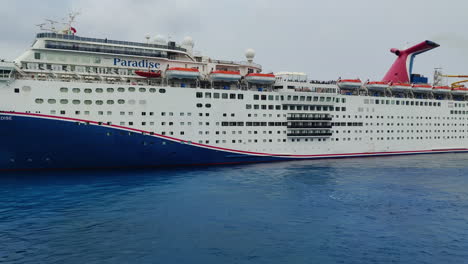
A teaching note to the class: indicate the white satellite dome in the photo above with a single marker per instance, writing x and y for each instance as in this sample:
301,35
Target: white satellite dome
250,54
160,39
188,41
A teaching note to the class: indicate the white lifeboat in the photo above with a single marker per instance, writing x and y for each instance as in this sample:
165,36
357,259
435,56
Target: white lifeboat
376,86
227,76
260,78
441,89
349,84
182,73
460,91
422,88
401,87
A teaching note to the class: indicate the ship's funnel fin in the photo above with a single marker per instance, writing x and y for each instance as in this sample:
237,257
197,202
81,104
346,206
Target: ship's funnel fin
401,69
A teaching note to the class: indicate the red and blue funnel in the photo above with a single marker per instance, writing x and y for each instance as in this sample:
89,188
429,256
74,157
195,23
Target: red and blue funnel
402,68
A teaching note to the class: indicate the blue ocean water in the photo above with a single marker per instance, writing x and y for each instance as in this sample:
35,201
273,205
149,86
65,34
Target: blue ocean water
407,209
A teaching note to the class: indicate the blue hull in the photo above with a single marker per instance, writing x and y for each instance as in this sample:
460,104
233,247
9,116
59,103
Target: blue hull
40,143
30,141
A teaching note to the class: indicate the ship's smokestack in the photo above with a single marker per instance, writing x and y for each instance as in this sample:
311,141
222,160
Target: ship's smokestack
403,66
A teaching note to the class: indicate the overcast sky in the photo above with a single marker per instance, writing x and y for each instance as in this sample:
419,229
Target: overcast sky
325,39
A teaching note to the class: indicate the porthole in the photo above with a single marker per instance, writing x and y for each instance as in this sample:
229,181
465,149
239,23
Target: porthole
110,90
121,89
152,90
76,102
99,102
39,101
87,90
131,89
26,88
199,105
99,90
142,102
110,102
76,90
88,102
142,90
64,90
64,101
132,102
162,90
51,101
208,105
121,101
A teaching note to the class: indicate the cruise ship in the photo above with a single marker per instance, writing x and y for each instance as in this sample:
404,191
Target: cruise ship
72,102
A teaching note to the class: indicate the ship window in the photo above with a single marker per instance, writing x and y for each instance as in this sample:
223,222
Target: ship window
256,96
207,95
99,102
263,97
162,90
87,90
131,89
142,90
76,90
152,90
142,102
121,101
39,101
224,96
248,106
216,95
64,90
99,90
121,89
110,102
199,95
232,96
76,102
110,90
240,96
87,102
199,105
100,113
51,101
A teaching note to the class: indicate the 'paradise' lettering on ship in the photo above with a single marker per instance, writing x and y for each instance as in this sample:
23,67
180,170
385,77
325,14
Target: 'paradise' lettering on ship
138,64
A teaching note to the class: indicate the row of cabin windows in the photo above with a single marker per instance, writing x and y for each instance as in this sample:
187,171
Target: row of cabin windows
400,102
111,90
209,95
400,138
89,102
294,107
299,98
254,124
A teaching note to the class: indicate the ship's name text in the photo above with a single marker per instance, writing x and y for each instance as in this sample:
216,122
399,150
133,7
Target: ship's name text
138,64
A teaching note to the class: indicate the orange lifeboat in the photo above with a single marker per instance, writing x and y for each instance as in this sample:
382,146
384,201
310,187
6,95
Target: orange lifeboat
441,89
149,74
349,84
226,76
260,78
182,73
422,88
376,86
400,87
460,91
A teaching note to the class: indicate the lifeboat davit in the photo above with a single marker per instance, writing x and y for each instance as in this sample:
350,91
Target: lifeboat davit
260,78
460,91
400,87
149,74
376,86
182,73
349,84
422,88
226,76
441,89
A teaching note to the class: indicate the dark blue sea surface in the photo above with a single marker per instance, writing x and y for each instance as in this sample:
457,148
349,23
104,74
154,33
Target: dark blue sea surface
407,209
